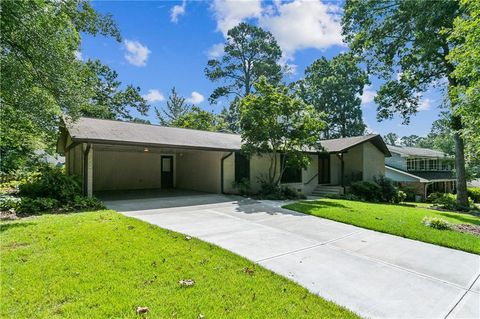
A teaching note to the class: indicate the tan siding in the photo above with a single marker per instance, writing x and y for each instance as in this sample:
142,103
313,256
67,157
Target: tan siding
113,170
374,163
353,162
199,170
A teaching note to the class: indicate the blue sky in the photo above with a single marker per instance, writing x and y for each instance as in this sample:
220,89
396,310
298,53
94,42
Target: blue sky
168,43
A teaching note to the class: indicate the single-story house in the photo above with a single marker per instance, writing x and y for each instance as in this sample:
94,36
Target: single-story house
116,155
424,170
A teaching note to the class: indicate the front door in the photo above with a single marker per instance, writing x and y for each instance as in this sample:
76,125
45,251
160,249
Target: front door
324,169
167,171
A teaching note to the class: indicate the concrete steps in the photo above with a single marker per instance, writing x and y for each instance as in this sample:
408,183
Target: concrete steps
322,190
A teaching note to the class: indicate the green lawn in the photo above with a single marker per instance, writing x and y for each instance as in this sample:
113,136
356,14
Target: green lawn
398,220
104,265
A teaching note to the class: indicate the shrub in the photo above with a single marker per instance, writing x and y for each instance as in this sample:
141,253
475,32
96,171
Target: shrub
400,196
448,201
32,206
52,183
474,193
388,192
243,186
289,193
8,202
86,203
410,192
368,191
436,223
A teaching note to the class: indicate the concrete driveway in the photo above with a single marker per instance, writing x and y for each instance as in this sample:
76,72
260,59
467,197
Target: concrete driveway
373,274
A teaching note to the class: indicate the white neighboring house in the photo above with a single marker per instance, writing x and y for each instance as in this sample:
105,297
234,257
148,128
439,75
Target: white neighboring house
423,169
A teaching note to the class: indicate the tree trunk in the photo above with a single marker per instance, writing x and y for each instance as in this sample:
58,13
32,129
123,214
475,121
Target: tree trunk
462,196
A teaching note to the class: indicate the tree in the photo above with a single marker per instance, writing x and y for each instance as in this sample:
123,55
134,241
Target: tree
334,87
228,119
250,52
41,78
197,119
408,40
410,140
176,108
274,122
391,138
107,100
466,58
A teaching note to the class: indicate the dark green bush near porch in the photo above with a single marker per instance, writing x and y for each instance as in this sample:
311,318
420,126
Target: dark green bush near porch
381,189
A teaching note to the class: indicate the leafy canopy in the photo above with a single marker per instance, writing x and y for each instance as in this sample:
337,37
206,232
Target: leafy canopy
334,87
250,52
175,108
274,122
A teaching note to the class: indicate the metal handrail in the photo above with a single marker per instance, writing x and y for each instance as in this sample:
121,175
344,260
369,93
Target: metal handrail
311,179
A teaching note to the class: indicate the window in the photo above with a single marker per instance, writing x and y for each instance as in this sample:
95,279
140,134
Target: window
242,167
291,174
410,164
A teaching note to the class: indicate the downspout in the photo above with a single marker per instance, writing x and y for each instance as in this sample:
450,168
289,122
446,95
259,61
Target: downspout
221,170
85,169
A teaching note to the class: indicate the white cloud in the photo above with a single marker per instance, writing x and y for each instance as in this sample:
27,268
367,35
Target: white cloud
303,24
216,51
177,10
425,104
230,13
368,95
154,96
195,98
137,53
296,25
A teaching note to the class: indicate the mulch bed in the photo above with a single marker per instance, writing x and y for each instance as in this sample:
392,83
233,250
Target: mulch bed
467,228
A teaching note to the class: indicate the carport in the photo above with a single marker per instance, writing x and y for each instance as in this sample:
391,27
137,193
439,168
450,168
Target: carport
115,157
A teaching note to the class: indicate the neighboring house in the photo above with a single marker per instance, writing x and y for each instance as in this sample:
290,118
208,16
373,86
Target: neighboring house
423,169
116,155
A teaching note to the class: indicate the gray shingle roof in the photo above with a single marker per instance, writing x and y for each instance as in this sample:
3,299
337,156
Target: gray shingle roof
416,151
118,132
128,133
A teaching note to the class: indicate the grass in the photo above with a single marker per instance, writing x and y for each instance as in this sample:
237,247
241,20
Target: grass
400,220
103,265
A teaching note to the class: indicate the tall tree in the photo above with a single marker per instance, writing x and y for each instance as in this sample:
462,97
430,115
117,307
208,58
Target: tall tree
176,107
334,87
41,78
249,52
107,100
408,40
274,122
466,58
391,138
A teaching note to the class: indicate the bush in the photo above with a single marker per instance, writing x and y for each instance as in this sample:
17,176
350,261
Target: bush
436,223
474,193
52,183
243,186
388,192
8,202
400,196
85,203
367,191
32,206
448,201
410,192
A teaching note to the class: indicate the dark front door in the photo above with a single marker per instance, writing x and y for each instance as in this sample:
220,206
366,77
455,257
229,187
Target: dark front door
167,171
324,168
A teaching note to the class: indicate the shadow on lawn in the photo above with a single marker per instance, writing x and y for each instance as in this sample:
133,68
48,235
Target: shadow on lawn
461,218
6,226
321,204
